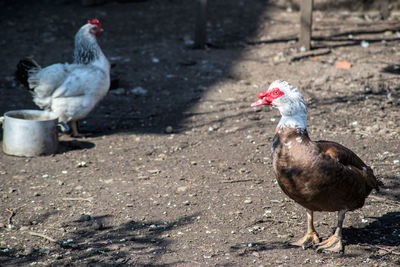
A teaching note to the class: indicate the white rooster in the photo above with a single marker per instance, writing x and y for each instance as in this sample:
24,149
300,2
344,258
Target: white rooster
71,91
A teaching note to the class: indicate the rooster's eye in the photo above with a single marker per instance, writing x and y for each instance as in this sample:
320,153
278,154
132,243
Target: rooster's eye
276,92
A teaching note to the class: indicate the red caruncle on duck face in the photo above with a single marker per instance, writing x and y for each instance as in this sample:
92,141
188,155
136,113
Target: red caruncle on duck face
266,98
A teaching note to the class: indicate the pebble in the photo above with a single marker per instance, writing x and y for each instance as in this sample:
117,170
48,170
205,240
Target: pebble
154,171
182,189
97,225
85,218
118,91
285,236
161,157
29,250
81,164
24,228
376,128
383,131
232,129
382,252
248,201
139,91
19,177
267,212
169,129
364,43
57,256
78,187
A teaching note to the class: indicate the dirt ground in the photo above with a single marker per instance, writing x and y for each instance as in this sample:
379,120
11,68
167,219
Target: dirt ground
131,194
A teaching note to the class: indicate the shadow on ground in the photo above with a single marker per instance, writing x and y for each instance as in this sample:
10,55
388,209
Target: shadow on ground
137,34
391,185
383,231
141,39
94,242
65,146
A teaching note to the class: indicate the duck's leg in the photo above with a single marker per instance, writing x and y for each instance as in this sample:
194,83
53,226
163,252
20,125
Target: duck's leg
311,237
334,242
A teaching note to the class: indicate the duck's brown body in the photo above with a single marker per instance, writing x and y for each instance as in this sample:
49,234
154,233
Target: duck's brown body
322,175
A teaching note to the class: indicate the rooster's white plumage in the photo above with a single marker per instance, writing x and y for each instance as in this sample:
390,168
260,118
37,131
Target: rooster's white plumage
70,90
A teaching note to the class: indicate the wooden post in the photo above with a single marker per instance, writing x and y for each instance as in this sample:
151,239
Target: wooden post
200,36
305,23
384,9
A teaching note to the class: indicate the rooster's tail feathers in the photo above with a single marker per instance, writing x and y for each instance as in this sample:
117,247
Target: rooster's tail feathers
24,67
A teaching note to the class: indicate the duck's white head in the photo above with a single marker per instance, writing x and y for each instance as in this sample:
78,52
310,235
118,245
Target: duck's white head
288,100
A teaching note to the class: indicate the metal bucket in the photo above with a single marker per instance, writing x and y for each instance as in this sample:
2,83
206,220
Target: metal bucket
30,133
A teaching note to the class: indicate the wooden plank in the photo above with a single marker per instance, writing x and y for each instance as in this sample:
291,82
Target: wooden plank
305,23
313,53
384,9
200,36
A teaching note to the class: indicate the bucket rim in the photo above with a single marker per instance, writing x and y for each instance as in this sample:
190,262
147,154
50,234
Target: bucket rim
50,116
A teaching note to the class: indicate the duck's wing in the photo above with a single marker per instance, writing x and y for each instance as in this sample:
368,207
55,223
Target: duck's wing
337,156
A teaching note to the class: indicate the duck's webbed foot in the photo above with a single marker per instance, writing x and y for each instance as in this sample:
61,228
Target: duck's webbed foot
333,244
310,239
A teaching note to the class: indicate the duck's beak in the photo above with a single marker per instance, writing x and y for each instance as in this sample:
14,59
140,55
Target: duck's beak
264,99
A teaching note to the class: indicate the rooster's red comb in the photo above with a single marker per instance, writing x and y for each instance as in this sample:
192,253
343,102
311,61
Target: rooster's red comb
94,21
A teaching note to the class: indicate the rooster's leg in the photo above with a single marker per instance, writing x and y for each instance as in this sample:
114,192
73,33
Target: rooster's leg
311,238
74,126
334,243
